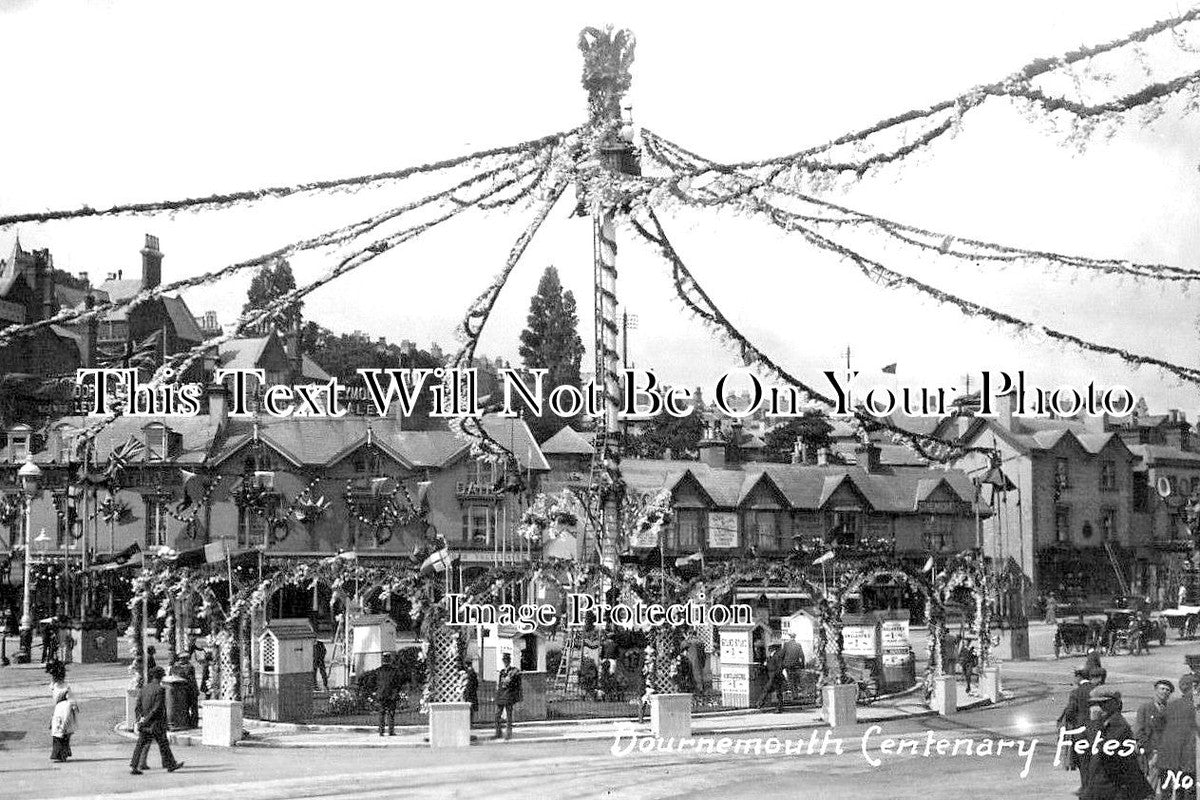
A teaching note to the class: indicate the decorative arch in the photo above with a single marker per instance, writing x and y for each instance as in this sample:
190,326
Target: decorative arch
967,569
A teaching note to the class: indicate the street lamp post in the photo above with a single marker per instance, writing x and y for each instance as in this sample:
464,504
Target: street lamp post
29,477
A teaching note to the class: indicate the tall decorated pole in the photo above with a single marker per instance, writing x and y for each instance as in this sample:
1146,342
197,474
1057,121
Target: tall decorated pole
607,56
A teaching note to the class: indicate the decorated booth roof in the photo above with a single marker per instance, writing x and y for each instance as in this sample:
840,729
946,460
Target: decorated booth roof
322,442
805,487
197,434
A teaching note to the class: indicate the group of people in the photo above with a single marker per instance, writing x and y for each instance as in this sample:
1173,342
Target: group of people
390,681
1165,730
783,664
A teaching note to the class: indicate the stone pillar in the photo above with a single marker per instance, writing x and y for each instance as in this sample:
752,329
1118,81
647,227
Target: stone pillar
671,716
131,698
945,696
839,704
221,722
449,724
1014,643
989,683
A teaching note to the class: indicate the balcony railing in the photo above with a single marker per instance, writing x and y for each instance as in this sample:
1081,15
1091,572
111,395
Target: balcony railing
467,490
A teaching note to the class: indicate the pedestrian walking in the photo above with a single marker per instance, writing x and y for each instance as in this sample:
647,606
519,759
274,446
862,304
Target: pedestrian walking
205,659
1177,749
1096,672
1113,773
471,689
182,668
151,724
1148,728
1073,722
64,720
774,685
968,661
319,664
387,690
508,694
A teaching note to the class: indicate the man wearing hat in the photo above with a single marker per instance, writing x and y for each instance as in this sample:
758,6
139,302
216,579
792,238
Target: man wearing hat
1151,721
1177,750
1113,772
1074,717
387,690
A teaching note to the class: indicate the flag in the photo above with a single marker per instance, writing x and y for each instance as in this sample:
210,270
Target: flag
438,562
685,560
120,456
928,565
822,559
143,354
890,369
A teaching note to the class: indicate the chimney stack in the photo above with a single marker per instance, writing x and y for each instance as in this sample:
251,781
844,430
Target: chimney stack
823,457
151,263
90,332
712,448
293,350
83,276
799,454
867,455
218,404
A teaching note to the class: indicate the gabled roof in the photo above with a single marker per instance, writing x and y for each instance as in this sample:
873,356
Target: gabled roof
1152,454
121,289
567,441
186,326
803,486
246,353
196,434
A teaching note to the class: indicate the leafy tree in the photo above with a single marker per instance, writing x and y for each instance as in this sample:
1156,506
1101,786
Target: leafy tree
812,428
677,436
269,284
551,341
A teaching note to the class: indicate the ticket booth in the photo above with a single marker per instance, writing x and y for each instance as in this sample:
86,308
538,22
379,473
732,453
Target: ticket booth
285,670
372,636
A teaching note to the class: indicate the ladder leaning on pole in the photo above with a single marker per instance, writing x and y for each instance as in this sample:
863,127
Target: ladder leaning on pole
1112,558
566,680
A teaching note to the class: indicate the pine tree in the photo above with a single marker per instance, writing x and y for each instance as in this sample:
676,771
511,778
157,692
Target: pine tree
551,341
269,284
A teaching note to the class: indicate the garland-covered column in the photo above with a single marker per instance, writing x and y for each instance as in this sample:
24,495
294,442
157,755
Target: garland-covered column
607,56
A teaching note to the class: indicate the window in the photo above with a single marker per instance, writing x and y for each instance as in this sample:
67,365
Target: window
156,443
479,524
846,527
1141,492
252,528
1108,476
1062,473
18,443
939,532
690,525
1195,485
1062,524
156,521
366,507
766,530
368,462
484,472
63,452
1108,525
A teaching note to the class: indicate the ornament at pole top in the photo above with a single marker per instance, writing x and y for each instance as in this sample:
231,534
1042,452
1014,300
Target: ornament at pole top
607,55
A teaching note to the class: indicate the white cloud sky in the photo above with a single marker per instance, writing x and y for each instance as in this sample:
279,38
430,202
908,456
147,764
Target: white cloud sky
134,101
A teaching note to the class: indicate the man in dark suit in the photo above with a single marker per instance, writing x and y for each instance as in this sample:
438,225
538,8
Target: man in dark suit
387,689
774,680
508,694
1074,717
152,724
1113,771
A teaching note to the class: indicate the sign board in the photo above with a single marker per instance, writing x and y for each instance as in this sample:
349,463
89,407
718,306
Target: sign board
722,529
735,647
647,537
894,634
895,659
858,640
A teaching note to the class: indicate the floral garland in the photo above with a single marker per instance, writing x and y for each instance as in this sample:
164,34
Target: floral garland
549,518
390,514
655,515
307,509
967,569
10,512
114,510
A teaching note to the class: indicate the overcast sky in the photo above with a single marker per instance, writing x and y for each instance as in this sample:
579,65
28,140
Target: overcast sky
136,101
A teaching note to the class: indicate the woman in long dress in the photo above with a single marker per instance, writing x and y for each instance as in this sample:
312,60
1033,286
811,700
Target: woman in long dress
64,721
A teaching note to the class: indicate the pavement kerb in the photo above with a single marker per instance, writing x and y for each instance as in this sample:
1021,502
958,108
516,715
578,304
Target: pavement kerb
191,739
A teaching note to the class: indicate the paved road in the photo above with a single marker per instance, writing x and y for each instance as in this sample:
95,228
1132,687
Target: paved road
590,769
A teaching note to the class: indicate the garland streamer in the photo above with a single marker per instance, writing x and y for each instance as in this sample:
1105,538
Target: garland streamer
254,195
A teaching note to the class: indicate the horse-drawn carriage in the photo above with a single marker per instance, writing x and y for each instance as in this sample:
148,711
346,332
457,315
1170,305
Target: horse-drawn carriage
1185,619
1080,635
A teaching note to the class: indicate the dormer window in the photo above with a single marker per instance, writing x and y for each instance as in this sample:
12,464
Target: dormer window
157,443
19,438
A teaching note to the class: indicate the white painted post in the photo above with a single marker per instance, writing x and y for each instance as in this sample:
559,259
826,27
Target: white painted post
839,704
449,724
945,695
220,722
671,716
